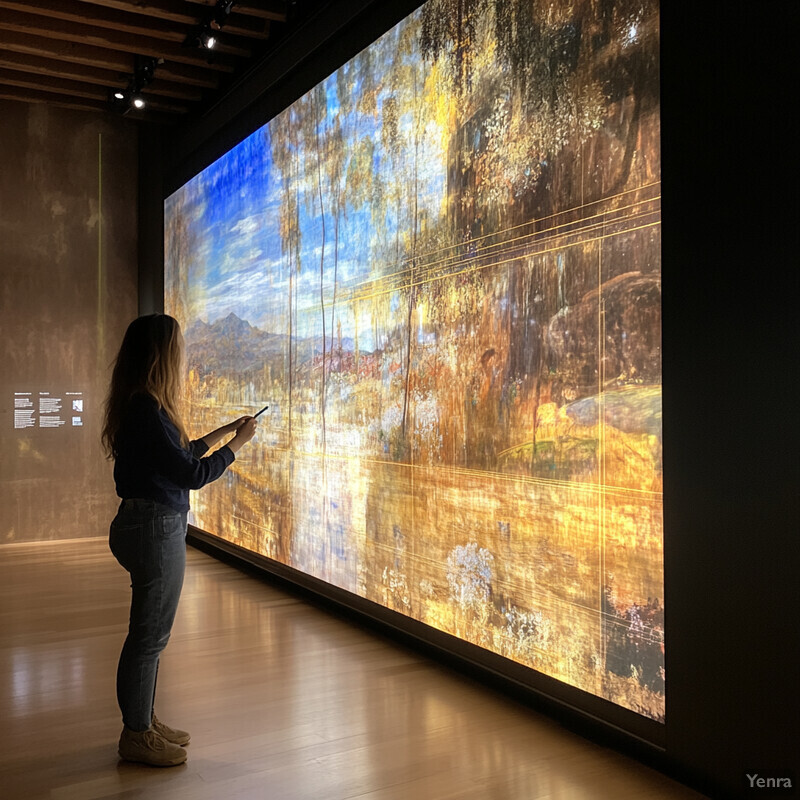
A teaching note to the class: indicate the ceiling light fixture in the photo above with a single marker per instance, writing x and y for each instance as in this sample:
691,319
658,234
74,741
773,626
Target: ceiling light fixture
124,100
203,35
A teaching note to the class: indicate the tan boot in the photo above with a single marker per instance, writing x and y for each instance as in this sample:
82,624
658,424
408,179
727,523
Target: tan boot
149,747
174,735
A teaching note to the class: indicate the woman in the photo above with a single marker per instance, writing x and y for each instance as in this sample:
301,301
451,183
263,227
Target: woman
155,466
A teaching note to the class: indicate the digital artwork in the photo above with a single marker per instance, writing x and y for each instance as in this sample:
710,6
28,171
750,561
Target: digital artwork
441,268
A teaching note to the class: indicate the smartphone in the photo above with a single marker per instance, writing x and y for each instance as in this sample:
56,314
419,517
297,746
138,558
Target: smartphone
260,412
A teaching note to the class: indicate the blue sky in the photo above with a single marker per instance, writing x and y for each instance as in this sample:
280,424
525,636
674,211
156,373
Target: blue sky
233,208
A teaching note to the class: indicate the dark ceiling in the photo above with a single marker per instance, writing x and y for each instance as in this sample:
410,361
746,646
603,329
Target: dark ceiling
75,53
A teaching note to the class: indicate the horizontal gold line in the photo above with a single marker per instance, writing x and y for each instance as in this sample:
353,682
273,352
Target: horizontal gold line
475,268
556,214
539,234
471,472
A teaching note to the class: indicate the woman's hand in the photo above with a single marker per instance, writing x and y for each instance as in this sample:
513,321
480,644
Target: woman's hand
234,426
245,431
217,435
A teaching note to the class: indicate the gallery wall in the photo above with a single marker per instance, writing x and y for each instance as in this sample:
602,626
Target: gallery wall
68,250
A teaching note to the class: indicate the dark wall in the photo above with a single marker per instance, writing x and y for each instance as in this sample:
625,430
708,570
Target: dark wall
732,559
730,233
68,259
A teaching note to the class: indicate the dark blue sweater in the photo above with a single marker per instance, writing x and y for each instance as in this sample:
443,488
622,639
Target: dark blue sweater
152,464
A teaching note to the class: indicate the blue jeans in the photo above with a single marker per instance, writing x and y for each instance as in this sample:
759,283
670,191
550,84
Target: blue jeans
149,540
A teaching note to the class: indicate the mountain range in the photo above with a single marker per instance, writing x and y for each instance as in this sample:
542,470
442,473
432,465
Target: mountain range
231,344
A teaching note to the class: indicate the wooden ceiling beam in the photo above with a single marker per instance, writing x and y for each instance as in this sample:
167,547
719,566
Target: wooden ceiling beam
256,26
111,39
74,89
72,53
107,18
37,65
266,9
75,53
32,96
61,86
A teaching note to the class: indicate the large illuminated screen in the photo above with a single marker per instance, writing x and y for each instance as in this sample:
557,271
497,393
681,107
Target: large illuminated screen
441,269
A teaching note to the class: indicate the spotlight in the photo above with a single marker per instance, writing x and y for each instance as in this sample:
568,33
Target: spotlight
201,38
202,35
129,98
119,100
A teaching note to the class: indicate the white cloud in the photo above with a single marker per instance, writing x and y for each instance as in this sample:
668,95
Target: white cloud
248,226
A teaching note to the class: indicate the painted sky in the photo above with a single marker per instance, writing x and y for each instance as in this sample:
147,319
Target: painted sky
233,207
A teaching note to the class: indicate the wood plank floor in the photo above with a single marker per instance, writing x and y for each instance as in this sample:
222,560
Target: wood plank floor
283,701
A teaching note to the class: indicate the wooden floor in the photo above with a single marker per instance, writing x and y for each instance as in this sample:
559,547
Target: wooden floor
283,701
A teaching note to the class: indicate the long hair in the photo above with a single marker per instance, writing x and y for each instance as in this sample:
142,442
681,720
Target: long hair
150,360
